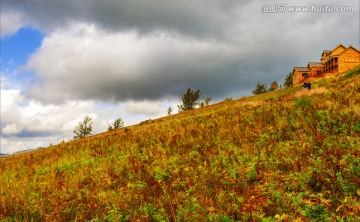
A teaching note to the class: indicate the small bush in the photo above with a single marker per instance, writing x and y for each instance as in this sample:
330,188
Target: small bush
303,101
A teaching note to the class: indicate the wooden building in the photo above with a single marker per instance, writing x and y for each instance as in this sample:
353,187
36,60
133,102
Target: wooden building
348,59
315,68
339,60
299,74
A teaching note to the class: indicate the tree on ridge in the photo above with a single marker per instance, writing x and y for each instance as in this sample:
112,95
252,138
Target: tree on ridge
84,128
288,80
117,124
190,100
260,88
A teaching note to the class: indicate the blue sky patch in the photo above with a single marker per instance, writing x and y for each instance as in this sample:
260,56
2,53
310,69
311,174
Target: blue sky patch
16,49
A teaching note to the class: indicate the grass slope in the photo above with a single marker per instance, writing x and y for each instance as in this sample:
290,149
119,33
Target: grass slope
287,155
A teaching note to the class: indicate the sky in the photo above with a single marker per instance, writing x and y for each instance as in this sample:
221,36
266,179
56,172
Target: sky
132,59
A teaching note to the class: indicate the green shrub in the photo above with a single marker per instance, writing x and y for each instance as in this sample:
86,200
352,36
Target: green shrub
303,101
352,72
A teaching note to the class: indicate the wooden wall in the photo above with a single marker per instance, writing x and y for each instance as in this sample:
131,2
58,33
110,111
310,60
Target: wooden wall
348,60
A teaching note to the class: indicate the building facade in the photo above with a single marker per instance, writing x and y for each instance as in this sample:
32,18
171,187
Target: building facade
339,60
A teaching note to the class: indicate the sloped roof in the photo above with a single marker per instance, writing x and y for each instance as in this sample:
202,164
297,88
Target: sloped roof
353,47
327,52
314,64
340,45
302,69
350,47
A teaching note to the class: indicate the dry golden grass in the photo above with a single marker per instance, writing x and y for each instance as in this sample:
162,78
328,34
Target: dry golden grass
306,92
286,155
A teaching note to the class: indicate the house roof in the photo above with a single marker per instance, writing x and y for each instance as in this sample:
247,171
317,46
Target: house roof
327,52
302,69
314,64
330,52
353,47
340,45
350,47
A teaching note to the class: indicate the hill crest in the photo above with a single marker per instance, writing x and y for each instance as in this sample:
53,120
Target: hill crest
290,154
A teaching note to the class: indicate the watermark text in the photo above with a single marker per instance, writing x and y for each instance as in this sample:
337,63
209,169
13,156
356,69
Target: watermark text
282,8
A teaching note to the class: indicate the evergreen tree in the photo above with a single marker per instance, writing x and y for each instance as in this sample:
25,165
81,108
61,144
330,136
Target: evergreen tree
190,100
260,88
84,128
288,80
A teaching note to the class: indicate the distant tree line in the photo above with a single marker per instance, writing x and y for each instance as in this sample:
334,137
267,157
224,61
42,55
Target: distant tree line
84,128
262,88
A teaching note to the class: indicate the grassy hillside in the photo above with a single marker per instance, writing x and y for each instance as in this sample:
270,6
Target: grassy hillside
287,155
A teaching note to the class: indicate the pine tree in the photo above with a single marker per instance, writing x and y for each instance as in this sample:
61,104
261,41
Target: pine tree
288,80
260,88
190,100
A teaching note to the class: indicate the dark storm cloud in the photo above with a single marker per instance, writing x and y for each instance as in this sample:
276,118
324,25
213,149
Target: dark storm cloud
200,18
153,67
150,50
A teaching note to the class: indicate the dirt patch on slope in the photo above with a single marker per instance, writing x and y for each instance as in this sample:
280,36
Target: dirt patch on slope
306,92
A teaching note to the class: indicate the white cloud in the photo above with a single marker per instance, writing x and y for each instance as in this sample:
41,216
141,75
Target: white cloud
28,123
148,108
10,106
24,120
10,23
33,115
12,129
12,145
